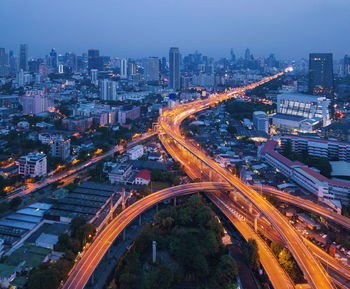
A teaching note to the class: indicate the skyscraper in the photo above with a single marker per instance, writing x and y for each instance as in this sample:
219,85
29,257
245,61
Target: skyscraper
23,57
151,69
94,79
174,68
108,90
347,65
94,59
321,73
53,60
123,68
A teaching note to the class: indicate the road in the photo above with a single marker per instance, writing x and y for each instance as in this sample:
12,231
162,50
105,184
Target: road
306,205
170,122
76,169
94,253
278,277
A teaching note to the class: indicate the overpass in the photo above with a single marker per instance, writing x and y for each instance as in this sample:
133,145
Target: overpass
170,122
98,248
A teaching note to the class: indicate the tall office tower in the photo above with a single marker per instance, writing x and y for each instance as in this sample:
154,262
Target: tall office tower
347,65
20,78
233,56
321,73
163,67
174,68
43,71
12,63
131,67
248,55
108,90
71,61
4,61
23,57
53,60
151,69
123,68
94,59
94,79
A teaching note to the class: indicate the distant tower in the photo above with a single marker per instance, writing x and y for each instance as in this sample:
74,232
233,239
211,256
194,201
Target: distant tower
23,57
233,56
321,80
346,65
94,76
53,60
123,68
174,68
151,69
94,59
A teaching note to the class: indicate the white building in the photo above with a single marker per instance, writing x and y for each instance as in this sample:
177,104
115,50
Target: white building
94,79
135,152
120,173
60,149
307,178
261,121
305,106
108,90
143,177
33,165
123,68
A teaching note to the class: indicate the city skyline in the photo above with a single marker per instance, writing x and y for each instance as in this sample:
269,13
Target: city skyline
197,25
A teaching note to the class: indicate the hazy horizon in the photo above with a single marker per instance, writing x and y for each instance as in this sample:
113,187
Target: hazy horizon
135,28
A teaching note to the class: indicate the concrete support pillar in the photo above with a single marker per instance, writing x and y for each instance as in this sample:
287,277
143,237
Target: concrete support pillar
154,251
256,223
250,208
93,277
124,236
140,220
210,175
235,198
123,198
175,202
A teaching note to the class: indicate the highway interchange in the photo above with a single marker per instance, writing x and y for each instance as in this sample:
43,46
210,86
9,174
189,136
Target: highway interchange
193,159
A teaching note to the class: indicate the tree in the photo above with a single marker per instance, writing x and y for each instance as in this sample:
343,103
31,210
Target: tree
226,273
161,278
251,254
276,248
15,202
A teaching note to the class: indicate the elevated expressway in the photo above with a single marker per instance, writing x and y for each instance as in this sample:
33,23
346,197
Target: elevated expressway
98,248
170,122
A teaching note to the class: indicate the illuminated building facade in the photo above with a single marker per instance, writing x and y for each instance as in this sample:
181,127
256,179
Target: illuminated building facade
321,80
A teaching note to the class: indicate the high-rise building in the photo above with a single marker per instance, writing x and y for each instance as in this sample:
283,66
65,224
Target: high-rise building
4,61
34,102
108,90
23,57
233,56
123,68
53,60
151,69
321,73
174,68
94,59
94,79
43,71
13,61
261,121
248,55
131,67
33,165
347,65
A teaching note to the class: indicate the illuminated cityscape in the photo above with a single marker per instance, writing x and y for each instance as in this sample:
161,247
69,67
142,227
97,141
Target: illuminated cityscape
166,145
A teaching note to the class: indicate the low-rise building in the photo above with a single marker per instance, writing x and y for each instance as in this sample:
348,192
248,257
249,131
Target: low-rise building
135,152
121,173
143,177
33,165
46,241
61,149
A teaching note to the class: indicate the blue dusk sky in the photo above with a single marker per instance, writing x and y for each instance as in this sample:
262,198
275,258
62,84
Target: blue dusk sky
138,28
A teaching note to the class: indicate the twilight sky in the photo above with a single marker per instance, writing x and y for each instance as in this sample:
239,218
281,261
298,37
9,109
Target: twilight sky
138,28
